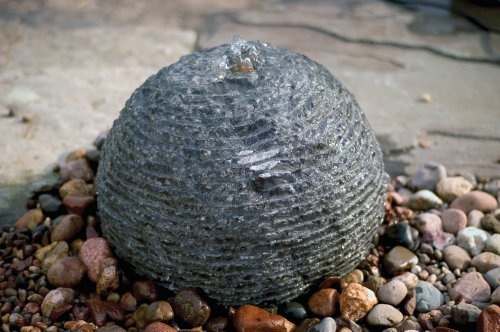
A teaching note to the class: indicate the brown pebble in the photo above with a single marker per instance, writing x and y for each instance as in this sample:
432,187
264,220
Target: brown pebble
67,228
486,261
323,302
190,307
145,291
56,298
128,301
77,204
217,324
31,218
77,169
159,311
66,272
108,276
159,327
75,187
92,253
475,200
453,220
249,318
489,319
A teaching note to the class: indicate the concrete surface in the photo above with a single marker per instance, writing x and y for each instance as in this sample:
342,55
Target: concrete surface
67,68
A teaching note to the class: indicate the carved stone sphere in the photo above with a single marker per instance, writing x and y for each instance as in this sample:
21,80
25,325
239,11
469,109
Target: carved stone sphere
246,170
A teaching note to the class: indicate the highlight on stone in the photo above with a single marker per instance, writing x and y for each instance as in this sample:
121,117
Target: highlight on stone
246,170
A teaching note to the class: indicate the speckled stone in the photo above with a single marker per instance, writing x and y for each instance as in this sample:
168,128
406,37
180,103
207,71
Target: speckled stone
92,253
56,298
399,259
384,315
471,287
356,301
489,319
190,307
323,302
428,297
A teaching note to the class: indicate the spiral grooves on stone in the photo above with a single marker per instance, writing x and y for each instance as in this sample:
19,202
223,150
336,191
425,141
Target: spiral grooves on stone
250,185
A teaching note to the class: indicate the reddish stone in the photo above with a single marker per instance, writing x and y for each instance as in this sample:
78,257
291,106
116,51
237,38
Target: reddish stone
249,318
77,204
471,287
159,327
324,302
31,308
92,253
30,218
145,291
489,319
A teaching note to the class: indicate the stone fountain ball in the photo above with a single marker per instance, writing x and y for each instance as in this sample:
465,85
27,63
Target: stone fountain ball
246,170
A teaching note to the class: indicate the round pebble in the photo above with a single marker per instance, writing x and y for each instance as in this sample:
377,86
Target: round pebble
475,200
464,313
190,307
327,324
251,318
428,297
56,298
452,187
159,311
456,257
486,261
409,279
424,200
495,296
490,223
66,272
493,277
399,259
323,302
489,319
67,228
294,311
472,239
384,315
392,293
474,218
145,291
493,244
453,220
159,327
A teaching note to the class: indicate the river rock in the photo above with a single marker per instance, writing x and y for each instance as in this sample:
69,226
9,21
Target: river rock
293,311
66,272
493,244
67,228
30,219
471,287
60,250
409,279
489,319
486,261
495,296
490,223
384,315
399,259
56,298
356,301
159,311
474,218
452,187
145,291
76,187
475,200
428,297
453,220
399,234
392,293
190,307
464,313
472,239
428,176
77,169
323,302
493,277
249,318
92,253
327,324
424,200
159,327
456,257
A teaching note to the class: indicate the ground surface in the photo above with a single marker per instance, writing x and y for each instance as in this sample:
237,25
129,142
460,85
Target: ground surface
67,68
